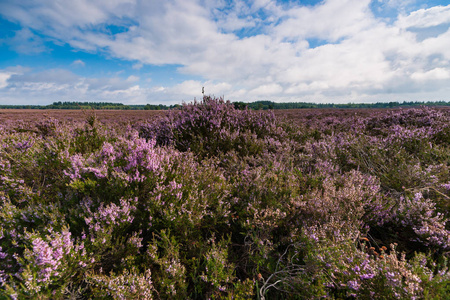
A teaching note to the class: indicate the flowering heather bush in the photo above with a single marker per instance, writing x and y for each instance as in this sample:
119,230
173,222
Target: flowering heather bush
420,215
213,126
212,202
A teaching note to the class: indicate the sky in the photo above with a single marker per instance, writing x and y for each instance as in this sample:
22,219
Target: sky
165,51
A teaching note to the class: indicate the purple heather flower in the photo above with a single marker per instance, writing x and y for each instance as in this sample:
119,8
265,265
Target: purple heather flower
367,276
353,284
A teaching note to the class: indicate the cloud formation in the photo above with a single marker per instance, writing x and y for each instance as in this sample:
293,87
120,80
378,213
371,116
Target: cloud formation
334,51
25,41
78,62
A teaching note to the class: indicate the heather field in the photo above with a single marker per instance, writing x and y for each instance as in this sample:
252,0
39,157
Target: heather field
118,117
211,202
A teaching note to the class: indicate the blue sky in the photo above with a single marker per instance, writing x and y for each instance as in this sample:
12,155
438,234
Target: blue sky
153,51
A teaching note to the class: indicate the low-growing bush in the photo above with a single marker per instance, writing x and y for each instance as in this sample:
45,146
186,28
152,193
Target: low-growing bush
216,202
214,126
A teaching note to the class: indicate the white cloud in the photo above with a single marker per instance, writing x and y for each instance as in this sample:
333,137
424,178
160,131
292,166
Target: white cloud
188,87
437,46
4,79
26,42
62,85
357,54
6,74
78,62
193,88
131,92
137,66
54,76
57,19
267,90
400,5
232,23
425,17
435,74
132,78
331,20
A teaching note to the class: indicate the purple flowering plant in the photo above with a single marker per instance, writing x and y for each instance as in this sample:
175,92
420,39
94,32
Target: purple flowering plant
211,201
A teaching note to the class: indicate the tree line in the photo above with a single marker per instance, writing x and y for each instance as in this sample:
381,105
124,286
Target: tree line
257,105
92,105
264,105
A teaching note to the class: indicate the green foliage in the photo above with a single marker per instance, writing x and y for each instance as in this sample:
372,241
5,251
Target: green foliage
218,201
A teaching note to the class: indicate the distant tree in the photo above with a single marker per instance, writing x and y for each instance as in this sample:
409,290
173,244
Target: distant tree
240,105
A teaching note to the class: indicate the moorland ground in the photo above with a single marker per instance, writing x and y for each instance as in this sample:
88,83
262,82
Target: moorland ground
212,202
